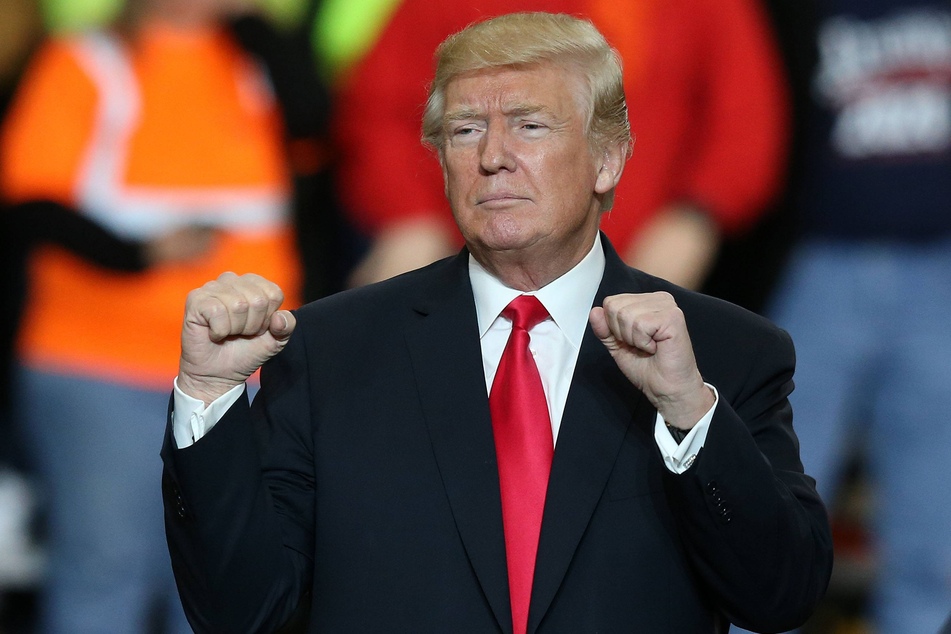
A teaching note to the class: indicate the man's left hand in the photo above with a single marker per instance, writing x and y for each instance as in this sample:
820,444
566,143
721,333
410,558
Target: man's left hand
647,336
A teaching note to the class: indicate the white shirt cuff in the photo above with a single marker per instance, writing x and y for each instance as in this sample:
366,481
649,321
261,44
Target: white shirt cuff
680,457
191,420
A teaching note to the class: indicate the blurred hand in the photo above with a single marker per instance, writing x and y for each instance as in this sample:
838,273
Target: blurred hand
679,245
181,245
647,336
232,326
403,247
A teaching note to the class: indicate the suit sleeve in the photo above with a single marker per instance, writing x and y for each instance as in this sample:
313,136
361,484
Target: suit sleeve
752,523
239,508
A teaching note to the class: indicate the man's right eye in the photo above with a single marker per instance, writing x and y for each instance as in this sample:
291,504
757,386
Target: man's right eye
465,134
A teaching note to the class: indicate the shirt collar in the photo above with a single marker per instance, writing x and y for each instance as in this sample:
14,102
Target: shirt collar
568,299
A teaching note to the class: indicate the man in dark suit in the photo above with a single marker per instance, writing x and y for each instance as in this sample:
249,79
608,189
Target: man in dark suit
382,482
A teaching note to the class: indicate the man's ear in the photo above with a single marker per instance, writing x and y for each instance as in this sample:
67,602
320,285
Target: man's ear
613,159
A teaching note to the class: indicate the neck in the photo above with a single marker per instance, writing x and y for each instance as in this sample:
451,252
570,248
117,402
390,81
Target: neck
521,278
529,271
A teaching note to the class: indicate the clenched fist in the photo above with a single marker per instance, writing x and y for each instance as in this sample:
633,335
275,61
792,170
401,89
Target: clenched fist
232,326
647,336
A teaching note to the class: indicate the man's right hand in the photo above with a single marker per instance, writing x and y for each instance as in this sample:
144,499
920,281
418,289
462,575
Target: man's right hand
232,326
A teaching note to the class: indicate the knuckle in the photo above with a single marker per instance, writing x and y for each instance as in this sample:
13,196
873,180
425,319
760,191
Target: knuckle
214,309
239,306
194,297
259,302
275,294
614,303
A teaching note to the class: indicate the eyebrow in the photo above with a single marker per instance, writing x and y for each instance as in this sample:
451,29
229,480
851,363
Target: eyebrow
516,110
460,115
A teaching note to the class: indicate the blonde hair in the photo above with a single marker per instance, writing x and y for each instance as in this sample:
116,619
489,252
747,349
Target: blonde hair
527,39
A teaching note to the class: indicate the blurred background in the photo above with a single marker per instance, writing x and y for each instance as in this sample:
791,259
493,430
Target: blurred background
791,156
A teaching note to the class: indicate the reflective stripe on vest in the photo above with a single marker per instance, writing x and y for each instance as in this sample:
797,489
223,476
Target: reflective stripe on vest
141,212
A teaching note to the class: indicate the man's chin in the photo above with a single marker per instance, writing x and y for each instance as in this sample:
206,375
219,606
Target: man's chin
506,242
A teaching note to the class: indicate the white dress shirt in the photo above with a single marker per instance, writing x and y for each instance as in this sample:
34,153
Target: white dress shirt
555,344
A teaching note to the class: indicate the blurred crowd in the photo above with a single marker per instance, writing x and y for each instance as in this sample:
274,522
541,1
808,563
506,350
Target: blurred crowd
791,156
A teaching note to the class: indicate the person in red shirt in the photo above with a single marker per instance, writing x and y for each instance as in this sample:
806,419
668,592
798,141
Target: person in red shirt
708,106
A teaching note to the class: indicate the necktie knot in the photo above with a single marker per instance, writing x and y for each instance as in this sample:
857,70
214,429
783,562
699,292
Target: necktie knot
525,311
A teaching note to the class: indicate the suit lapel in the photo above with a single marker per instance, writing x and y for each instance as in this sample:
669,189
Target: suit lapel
602,404
447,360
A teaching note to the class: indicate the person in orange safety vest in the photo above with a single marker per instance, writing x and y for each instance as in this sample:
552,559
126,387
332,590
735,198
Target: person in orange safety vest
159,124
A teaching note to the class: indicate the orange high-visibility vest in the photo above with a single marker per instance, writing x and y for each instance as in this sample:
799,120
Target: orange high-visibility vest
178,128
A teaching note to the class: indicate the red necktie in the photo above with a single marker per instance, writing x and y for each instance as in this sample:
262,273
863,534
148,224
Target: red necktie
524,448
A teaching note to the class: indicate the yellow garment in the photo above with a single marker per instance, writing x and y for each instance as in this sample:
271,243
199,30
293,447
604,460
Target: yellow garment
346,29
78,14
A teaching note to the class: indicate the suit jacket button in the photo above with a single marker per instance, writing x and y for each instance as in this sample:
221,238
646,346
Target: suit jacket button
180,505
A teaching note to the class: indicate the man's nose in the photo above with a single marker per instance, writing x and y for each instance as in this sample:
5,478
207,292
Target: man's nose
495,153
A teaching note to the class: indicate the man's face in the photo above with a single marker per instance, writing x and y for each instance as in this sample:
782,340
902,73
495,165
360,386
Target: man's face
521,175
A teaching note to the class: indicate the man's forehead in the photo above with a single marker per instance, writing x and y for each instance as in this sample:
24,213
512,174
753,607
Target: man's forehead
546,72
512,90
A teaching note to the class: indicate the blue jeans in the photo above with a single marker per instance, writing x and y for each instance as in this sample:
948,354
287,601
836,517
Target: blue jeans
872,327
97,450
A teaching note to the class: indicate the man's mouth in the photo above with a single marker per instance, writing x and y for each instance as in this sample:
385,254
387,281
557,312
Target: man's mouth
497,199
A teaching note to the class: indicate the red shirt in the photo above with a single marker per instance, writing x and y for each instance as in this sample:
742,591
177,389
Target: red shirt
705,90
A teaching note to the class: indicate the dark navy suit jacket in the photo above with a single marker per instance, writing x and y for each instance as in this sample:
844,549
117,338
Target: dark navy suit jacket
360,492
